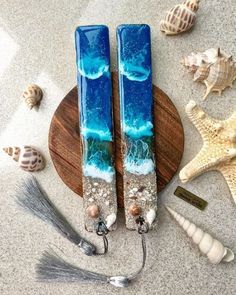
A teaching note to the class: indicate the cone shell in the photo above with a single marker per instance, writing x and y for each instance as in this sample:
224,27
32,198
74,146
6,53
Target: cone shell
28,158
212,248
32,95
180,18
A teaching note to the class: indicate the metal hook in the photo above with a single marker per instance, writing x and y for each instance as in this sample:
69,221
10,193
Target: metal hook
101,228
142,225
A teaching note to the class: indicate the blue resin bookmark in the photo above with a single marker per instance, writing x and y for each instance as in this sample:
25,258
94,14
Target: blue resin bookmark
96,128
136,107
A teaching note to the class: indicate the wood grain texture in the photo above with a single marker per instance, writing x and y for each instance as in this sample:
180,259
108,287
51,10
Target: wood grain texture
65,143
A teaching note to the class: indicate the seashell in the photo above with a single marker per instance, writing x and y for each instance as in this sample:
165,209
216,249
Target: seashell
180,18
212,248
110,220
202,72
214,68
221,75
134,210
150,216
93,211
28,158
195,59
32,95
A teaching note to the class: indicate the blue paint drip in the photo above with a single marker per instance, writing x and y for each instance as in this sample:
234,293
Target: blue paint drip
135,84
94,89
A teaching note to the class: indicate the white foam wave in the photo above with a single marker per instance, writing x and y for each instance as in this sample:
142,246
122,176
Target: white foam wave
143,167
96,133
136,132
93,67
94,172
134,72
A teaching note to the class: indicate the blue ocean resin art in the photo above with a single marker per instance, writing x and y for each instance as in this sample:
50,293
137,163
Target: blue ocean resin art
136,103
136,112
94,89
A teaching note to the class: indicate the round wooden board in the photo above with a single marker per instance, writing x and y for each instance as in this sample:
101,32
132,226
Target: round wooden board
65,143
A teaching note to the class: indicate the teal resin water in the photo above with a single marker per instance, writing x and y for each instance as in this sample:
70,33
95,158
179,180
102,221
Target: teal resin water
97,159
139,156
94,89
136,103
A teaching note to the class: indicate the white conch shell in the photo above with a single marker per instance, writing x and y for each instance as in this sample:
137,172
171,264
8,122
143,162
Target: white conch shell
221,75
180,18
201,72
214,68
212,248
195,59
150,216
110,220
32,95
28,158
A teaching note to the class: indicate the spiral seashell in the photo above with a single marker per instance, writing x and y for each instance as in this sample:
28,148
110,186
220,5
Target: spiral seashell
180,18
212,248
221,75
28,158
214,68
32,95
202,72
196,59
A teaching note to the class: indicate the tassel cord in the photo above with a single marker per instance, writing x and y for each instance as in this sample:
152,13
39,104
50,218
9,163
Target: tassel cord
51,267
31,197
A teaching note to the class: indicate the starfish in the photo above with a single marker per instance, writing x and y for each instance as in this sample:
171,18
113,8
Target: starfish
219,147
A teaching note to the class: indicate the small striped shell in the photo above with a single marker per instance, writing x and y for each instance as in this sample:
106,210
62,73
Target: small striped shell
180,18
28,158
32,95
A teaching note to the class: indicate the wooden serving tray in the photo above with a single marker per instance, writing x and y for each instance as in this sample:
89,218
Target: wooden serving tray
65,143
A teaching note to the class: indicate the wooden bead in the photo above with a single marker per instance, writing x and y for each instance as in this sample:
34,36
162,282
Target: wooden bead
134,210
93,211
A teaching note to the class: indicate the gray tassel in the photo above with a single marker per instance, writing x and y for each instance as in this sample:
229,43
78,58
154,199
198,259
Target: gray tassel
33,199
52,268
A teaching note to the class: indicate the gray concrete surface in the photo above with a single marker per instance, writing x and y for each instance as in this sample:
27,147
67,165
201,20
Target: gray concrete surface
36,45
